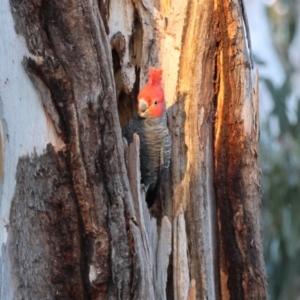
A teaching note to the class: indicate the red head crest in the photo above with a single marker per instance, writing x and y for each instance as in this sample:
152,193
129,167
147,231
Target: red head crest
152,92
155,76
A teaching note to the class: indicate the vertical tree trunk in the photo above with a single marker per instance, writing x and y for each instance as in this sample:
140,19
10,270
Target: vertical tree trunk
78,224
237,174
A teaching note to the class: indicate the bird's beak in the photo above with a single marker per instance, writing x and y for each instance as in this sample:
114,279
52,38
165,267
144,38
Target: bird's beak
142,107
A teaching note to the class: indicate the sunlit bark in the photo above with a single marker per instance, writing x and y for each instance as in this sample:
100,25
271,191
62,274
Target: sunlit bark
78,224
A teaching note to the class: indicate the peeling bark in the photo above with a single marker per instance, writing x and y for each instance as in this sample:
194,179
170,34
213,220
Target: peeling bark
180,258
237,174
88,60
72,63
154,246
44,229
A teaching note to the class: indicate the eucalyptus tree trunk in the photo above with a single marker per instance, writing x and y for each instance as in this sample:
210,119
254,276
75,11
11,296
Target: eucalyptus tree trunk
75,222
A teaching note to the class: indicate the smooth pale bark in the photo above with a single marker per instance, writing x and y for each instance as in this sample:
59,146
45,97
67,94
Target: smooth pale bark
78,223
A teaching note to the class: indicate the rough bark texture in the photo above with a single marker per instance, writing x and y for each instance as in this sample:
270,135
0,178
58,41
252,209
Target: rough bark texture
45,235
237,174
73,62
88,60
192,173
154,246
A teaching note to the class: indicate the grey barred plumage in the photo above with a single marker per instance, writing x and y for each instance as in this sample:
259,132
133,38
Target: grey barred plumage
155,151
150,123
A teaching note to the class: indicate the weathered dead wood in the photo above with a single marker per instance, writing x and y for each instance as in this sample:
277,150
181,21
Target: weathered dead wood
192,291
180,257
154,247
1,152
191,122
45,238
75,49
237,174
73,61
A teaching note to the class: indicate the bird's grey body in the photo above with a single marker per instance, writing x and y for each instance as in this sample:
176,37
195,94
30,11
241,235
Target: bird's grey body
155,150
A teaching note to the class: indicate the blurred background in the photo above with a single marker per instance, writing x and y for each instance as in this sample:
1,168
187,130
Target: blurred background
275,35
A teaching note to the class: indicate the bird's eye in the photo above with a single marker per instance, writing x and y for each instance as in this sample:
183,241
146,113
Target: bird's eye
155,102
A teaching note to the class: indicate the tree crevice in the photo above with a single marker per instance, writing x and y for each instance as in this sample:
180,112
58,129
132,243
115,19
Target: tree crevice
88,59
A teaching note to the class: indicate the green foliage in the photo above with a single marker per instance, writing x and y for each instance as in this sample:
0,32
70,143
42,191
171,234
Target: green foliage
281,222
283,17
280,96
280,162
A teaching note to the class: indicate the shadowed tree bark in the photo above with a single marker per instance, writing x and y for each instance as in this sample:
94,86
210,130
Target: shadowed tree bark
78,225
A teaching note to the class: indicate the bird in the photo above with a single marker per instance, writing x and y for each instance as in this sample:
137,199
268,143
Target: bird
150,123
